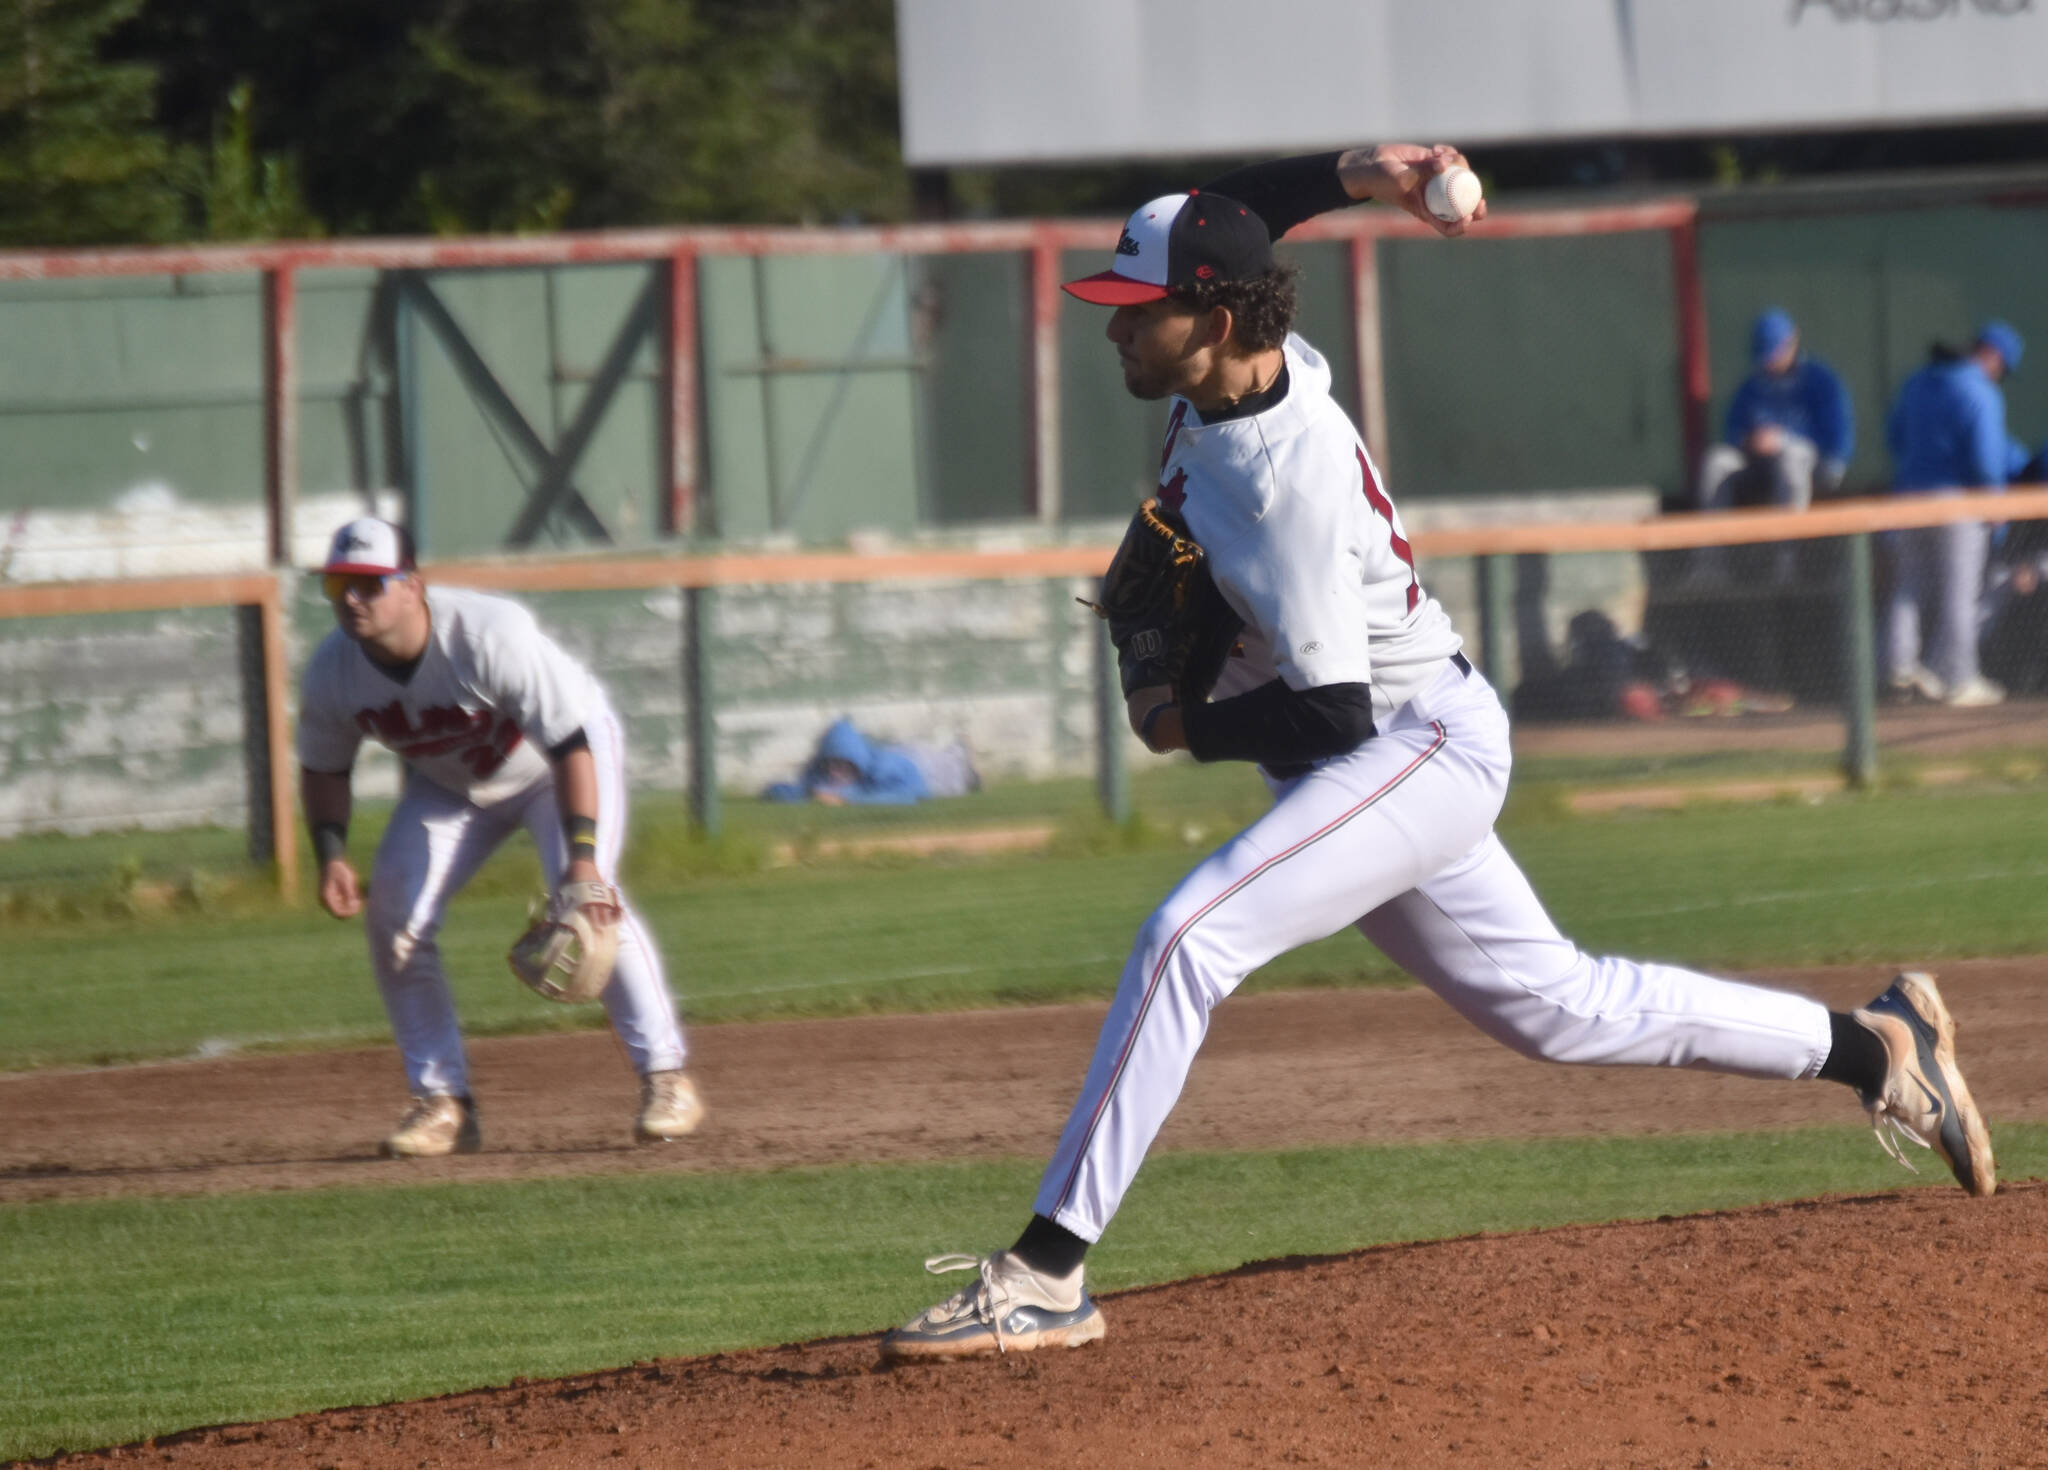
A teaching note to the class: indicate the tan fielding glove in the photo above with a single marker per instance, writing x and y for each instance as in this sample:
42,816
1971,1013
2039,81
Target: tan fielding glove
570,943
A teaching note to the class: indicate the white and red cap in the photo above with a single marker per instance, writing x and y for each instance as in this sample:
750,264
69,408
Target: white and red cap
369,547
1180,240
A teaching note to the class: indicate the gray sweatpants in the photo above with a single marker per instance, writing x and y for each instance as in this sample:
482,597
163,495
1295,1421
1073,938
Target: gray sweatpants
1729,477
1937,577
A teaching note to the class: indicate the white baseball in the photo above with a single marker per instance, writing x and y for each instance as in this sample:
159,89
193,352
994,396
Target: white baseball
1453,194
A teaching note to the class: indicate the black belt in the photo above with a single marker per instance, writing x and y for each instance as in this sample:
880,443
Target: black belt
1463,664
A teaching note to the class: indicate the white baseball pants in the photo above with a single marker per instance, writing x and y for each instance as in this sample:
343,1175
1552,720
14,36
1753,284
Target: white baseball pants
435,843
1396,838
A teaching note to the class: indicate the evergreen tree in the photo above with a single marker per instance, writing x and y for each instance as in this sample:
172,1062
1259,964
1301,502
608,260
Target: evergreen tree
409,116
752,110
81,161
235,193
338,90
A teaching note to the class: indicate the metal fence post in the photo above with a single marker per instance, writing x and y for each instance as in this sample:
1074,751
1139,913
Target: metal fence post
255,732
1496,615
700,701
270,772
1859,693
280,410
1112,769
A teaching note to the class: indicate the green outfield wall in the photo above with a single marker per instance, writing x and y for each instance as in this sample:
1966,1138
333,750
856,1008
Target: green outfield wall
842,393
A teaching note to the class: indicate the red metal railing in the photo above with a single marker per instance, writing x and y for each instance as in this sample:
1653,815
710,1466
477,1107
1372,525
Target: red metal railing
679,250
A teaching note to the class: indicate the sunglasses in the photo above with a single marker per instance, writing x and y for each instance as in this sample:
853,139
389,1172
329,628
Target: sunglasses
364,586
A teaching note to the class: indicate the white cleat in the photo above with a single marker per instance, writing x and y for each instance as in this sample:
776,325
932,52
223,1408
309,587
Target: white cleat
1918,681
434,1127
1975,693
1925,1099
1010,1309
669,1107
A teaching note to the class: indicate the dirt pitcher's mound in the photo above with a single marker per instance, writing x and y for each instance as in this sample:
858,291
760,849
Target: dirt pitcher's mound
1904,1330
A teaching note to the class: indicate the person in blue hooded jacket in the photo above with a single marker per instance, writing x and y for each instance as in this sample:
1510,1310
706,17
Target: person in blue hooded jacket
1787,436
1947,434
850,769
1789,430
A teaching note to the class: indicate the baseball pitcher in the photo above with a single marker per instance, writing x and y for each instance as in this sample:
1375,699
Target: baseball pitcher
1386,752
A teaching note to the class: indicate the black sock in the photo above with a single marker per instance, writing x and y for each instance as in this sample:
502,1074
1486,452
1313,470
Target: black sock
1049,1249
1856,1056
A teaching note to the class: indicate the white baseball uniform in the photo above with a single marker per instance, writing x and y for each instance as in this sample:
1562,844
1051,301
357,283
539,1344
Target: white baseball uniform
1395,837
489,697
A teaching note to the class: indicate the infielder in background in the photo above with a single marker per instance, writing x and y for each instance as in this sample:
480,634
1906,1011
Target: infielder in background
1387,755
498,729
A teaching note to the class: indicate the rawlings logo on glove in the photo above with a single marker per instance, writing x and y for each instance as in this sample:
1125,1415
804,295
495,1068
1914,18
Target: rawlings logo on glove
1169,623
570,942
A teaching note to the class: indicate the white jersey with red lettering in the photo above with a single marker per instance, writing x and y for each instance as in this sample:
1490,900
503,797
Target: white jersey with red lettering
1305,545
1394,838
491,695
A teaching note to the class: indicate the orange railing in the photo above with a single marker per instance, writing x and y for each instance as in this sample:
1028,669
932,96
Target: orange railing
261,595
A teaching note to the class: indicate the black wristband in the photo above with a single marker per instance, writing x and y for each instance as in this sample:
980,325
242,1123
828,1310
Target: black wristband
330,840
1151,716
582,835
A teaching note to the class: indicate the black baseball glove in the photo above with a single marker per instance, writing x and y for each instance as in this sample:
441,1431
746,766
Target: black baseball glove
1169,623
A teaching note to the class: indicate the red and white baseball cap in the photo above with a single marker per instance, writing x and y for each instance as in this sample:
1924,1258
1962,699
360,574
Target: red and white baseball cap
369,547
1180,240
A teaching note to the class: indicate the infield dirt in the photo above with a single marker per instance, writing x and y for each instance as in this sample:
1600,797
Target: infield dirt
1905,1329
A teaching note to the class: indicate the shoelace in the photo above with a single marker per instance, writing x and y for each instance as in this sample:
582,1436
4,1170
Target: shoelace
1887,1121
1889,1130
424,1110
982,1295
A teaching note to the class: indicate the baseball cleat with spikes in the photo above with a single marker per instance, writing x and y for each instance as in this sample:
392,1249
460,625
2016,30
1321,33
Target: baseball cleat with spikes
669,1107
1925,1098
434,1127
1009,1309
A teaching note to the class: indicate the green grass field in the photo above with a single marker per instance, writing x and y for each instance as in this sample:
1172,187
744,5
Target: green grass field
1907,874
129,1317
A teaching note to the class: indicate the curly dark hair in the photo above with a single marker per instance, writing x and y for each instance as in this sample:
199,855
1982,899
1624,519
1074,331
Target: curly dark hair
1262,308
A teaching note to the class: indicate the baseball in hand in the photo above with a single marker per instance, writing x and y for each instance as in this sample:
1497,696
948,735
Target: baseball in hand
1452,195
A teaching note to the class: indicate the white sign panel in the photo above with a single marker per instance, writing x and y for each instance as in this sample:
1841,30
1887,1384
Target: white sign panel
1003,81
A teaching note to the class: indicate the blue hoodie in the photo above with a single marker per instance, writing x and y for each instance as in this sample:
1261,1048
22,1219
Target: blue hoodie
886,775
1809,401
1947,429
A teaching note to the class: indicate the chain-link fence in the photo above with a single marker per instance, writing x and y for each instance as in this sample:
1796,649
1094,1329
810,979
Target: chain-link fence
1705,652
1911,651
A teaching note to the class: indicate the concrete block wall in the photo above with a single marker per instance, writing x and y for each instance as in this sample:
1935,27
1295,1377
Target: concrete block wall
136,719
129,720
